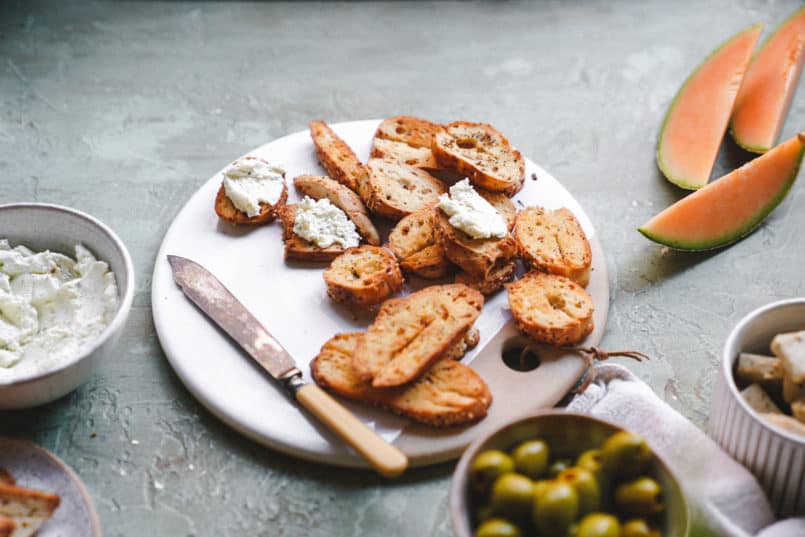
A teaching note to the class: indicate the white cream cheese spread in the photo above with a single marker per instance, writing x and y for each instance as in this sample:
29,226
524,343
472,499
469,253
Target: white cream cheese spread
325,225
51,307
250,181
471,213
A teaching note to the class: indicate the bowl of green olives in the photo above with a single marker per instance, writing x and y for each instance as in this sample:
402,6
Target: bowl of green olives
558,474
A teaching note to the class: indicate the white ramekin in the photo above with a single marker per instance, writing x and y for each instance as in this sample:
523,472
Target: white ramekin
776,457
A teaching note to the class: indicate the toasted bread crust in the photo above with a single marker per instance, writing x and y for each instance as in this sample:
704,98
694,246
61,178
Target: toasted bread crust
36,503
502,204
297,248
228,212
337,158
460,348
483,154
397,190
7,526
551,308
412,131
408,140
472,338
363,276
478,257
409,334
419,157
448,394
413,240
318,187
553,241
429,263
492,282
23,511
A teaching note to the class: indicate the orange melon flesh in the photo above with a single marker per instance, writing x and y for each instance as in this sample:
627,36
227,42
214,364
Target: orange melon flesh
769,85
699,114
731,207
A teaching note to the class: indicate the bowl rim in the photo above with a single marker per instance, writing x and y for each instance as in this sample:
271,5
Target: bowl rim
459,478
728,361
126,295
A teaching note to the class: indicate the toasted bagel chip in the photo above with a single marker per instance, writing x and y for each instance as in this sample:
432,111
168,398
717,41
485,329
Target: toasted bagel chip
481,153
363,276
411,333
553,241
447,394
551,308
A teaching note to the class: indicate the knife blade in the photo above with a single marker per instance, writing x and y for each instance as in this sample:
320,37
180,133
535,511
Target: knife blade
220,305
210,295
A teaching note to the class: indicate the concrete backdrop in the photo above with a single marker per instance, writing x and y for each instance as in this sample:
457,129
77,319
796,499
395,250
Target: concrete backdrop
123,109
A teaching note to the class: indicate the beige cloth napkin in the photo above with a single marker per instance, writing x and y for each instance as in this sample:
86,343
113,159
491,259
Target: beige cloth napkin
723,497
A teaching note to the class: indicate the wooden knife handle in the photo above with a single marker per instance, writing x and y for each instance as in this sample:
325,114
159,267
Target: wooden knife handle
385,458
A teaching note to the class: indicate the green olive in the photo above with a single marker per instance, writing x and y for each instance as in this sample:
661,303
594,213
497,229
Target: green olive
487,467
556,509
558,465
625,455
591,460
639,498
531,458
541,486
587,488
498,527
599,525
512,495
638,527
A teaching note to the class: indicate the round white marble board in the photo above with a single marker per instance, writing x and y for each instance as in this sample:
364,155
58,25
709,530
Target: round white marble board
291,301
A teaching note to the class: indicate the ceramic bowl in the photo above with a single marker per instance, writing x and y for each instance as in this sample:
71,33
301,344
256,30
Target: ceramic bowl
40,227
568,435
776,457
36,468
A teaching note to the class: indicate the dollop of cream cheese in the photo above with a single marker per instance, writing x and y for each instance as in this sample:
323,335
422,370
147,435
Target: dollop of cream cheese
51,307
250,181
470,213
325,225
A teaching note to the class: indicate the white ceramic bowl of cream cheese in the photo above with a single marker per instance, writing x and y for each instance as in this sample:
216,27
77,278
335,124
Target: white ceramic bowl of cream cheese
41,227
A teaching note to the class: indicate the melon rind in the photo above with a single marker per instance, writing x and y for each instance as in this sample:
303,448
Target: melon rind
777,32
741,231
680,181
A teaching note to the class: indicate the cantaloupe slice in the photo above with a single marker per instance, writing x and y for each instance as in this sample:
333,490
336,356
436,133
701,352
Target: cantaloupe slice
769,85
699,114
732,206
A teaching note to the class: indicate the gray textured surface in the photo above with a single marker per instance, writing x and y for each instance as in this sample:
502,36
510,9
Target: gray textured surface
124,109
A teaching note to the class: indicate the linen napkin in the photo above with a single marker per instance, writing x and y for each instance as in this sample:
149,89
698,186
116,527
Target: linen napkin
723,497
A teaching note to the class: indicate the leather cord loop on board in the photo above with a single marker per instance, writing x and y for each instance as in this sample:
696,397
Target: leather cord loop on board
590,355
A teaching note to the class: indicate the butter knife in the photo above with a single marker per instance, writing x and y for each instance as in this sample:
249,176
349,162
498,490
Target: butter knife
210,295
